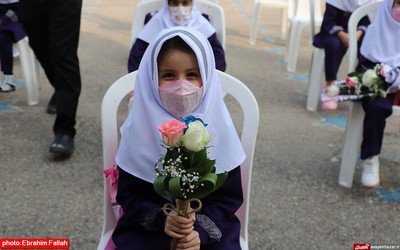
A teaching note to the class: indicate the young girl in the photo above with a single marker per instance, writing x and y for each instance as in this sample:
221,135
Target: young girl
186,55
11,31
380,45
176,13
333,36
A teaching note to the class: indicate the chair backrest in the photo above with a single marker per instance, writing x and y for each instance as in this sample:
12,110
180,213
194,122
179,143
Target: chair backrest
214,11
303,11
369,9
230,86
315,13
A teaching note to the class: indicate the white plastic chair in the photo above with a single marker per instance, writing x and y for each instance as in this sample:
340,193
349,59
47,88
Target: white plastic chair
354,125
301,18
29,71
286,12
214,11
231,86
315,78
316,75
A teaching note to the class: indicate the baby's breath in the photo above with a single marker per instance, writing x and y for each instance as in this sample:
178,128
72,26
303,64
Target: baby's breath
170,168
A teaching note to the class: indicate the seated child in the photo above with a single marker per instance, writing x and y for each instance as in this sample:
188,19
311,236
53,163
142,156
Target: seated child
333,36
11,31
380,45
176,13
181,58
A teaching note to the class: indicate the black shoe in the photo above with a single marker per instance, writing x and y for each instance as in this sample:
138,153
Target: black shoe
51,109
62,145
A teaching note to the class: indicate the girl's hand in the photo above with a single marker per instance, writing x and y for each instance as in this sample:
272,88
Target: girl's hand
344,37
189,242
359,34
178,226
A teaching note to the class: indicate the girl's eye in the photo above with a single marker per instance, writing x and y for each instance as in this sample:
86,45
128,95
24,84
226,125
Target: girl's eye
192,75
167,76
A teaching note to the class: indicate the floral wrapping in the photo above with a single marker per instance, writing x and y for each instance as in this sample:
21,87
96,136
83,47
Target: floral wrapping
373,83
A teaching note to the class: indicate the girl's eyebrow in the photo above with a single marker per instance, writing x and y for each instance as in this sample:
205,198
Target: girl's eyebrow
166,68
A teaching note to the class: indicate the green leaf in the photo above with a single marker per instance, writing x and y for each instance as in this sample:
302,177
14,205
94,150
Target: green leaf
221,179
174,187
206,167
206,185
161,184
199,157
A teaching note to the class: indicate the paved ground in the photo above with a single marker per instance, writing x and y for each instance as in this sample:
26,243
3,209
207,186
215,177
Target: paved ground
296,201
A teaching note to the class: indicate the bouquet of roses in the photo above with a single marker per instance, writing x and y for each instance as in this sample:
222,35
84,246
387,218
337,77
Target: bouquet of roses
184,172
373,83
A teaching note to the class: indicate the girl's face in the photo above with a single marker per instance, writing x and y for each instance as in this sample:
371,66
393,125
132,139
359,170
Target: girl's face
175,3
179,65
396,3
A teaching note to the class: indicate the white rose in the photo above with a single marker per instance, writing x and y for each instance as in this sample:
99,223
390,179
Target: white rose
369,77
332,90
196,137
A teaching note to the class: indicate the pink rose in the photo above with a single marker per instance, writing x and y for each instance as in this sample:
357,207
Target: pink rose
351,81
384,70
172,132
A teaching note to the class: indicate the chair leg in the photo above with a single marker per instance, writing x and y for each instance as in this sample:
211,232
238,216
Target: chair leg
284,24
30,71
351,144
315,78
293,45
254,26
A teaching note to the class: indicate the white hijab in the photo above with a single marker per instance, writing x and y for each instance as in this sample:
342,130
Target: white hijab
347,5
381,41
140,145
8,1
162,20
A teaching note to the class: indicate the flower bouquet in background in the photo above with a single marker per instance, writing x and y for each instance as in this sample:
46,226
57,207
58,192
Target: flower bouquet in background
185,173
373,83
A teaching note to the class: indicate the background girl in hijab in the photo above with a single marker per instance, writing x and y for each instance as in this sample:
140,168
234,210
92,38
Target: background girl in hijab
176,13
143,223
333,36
11,31
380,45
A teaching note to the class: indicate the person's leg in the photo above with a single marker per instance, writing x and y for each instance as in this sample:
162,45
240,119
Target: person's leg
334,52
64,29
376,112
34,17
53,28
6,61
6,54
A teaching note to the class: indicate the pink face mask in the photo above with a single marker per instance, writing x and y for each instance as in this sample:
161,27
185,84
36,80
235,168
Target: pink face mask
180,14
396,14
180,97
